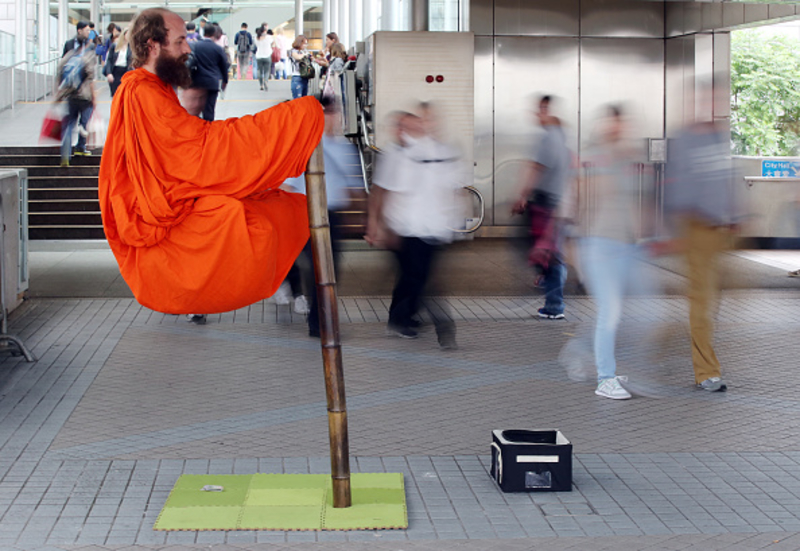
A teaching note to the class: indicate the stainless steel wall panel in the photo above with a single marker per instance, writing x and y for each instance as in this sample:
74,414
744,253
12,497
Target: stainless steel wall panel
674,19
481,17
626,72
484,122
692,17
526,67
622,18
711,16
732,14
781,10
537,18
755,12
679,85
722,75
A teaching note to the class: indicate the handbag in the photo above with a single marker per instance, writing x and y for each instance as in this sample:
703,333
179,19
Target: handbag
52,123
276,54
97,131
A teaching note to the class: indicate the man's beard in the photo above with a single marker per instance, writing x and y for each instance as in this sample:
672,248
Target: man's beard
173,70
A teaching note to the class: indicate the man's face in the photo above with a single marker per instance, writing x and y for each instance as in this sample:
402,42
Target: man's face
84,33
171,58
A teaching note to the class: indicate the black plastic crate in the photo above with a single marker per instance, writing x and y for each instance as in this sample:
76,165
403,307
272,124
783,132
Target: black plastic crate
531,460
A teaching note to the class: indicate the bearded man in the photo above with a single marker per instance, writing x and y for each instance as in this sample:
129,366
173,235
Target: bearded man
190,207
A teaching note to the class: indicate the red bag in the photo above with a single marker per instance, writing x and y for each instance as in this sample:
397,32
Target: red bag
51,126
276,54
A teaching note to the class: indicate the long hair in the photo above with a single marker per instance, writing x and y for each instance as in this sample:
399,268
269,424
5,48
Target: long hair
298,42
147,25
122,40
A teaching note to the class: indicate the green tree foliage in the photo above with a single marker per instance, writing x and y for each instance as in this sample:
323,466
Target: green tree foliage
765,99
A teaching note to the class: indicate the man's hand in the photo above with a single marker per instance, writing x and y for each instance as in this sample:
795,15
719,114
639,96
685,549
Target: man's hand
520,206
110,78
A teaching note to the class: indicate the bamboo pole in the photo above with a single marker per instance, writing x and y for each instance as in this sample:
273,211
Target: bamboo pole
329,327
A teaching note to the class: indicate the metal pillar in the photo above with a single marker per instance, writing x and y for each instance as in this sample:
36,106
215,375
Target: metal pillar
326,17
368,18
22,31
344,31
463,15
387,15
94,14
298,17
334,26
355,22
43,30
63,22
419,15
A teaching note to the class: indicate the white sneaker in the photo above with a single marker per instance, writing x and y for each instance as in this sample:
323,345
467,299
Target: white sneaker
284,294
301,305
610,388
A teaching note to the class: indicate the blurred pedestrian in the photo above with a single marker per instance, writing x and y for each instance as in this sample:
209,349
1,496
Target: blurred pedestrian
413,211
118,61
243,41
283,47
701,200
544,184
263,56
191,33
300,58
76,72
612,257
209,70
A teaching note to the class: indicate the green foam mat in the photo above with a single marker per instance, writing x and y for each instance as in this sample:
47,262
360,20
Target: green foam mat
283,502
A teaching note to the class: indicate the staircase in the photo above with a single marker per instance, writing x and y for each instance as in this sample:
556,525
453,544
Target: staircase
62,202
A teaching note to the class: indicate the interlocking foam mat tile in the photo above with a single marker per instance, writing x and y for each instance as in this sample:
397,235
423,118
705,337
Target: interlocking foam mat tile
283,502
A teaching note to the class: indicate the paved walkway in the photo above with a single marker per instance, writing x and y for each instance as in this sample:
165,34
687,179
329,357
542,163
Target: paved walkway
124,400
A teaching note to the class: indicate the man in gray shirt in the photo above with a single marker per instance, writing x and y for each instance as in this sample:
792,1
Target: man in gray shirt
699,194
543,186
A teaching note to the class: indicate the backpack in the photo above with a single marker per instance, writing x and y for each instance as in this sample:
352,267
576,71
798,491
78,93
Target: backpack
73,73
305,69
243,44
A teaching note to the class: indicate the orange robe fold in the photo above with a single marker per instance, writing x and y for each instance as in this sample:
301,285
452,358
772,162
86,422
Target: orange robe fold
190,207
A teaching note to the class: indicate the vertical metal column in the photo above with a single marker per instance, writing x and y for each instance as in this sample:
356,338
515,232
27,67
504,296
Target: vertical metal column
298,17
329,327
63,22
354,27
21,7
368,18
334,26
344,21
419,15
43,27
388,15
326,17
94,14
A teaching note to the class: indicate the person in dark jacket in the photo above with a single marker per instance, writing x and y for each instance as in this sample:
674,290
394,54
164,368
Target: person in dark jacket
118,61
79,40
209,68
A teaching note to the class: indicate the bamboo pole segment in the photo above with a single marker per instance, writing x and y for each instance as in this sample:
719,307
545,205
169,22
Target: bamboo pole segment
329,327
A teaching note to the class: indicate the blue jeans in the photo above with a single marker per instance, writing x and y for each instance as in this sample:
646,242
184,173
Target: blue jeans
299,87
282,73
611,267
554,278
75,110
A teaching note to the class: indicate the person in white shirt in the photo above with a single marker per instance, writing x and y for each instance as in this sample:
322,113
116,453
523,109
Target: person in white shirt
413,210
264,44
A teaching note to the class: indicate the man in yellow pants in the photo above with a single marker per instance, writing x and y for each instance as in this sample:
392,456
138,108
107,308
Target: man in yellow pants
700,196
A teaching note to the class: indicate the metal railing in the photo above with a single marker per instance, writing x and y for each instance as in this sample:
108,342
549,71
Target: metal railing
9,77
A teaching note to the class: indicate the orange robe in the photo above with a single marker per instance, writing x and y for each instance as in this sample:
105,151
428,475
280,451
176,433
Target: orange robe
190,207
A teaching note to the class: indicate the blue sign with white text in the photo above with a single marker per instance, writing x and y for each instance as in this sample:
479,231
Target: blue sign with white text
780,169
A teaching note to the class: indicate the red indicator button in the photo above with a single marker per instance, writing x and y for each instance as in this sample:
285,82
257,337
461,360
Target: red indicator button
429,79
439,78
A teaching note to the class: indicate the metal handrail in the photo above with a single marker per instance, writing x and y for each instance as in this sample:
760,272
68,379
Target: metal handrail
53,60
483,211
13,80
363,170
365,134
